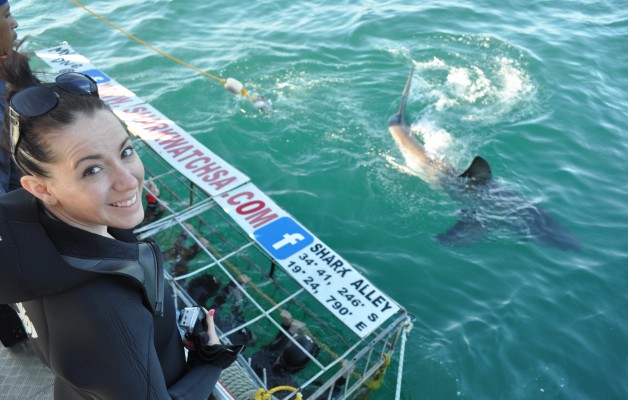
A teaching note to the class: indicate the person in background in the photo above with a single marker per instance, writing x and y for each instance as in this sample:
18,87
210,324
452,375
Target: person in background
11,330
9,175
92,298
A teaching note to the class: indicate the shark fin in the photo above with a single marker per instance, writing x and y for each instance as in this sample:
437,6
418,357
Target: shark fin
467,230
400,117
479,171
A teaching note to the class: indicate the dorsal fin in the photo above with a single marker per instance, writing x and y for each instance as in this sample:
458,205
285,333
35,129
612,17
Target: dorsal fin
400,117
479,171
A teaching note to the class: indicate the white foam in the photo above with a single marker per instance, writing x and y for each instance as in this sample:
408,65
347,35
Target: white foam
434,63
516,83
435,139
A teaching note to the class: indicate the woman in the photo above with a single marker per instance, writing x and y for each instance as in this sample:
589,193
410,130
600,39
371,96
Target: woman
91,297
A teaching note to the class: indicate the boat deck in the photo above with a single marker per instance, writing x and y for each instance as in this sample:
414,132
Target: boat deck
22,375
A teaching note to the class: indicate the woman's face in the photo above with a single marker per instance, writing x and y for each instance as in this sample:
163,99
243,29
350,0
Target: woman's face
97,178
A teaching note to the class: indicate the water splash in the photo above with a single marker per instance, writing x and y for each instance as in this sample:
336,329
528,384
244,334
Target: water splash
465,86
435,139
482,93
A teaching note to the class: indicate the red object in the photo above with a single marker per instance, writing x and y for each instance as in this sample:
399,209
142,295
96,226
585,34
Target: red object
150,198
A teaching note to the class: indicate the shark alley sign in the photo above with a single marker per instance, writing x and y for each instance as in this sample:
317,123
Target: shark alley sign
316,267
319,269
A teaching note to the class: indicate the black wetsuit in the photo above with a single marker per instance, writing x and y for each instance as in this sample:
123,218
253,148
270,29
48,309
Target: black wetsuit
11,330
96,309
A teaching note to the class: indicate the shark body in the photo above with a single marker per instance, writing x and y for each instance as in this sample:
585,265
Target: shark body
486,204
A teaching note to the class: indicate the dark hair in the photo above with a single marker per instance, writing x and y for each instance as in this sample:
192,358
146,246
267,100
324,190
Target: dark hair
37,133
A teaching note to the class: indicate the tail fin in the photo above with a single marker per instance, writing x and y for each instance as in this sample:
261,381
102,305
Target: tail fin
400,117
479,171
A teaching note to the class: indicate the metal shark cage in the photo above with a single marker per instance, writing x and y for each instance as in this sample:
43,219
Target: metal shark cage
263,302
313,326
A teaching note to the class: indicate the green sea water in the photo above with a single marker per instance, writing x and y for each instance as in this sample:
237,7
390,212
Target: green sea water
537,88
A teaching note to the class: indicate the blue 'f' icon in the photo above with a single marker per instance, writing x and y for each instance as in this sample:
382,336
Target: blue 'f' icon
283,237
97,75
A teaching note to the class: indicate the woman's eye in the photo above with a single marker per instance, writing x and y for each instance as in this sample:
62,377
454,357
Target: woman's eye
91,171
128,152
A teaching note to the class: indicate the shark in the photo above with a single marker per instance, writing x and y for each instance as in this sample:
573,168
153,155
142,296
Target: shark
487,204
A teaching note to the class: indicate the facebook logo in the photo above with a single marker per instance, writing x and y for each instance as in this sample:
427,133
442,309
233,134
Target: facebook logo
283,237
97,75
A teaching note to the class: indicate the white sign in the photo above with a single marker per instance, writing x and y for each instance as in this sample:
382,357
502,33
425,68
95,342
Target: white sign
315,266
64,58
184,153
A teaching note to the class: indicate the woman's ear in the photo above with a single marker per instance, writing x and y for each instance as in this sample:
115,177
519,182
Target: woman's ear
37,187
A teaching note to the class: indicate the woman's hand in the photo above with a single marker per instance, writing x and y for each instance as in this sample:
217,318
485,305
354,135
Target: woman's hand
152,188
208,338
215,353
211,327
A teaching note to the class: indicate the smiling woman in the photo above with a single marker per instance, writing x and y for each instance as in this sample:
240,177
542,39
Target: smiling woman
76,156
97,181
92,297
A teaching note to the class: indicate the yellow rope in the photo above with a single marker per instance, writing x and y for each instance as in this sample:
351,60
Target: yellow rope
264,395
163,53
375,382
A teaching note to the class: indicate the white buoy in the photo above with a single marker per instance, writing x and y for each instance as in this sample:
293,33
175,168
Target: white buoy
263,104
234,86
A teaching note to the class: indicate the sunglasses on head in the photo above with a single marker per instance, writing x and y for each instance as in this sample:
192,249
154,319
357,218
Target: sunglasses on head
35,101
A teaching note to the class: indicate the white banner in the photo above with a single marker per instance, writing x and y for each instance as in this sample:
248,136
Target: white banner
319,269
